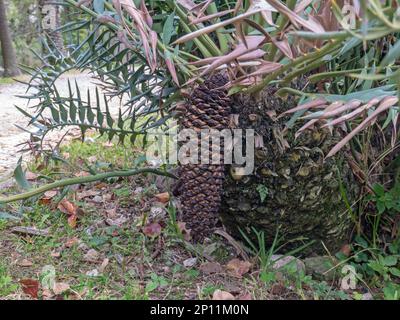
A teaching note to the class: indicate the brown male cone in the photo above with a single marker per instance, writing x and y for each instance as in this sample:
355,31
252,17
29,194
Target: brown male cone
200,185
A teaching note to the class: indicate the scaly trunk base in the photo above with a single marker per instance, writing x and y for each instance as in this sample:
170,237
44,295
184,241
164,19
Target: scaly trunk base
302,190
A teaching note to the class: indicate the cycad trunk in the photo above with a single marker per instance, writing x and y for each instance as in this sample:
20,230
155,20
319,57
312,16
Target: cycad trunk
7,49
293,187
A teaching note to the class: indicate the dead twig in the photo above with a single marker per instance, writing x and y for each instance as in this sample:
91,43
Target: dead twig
31,231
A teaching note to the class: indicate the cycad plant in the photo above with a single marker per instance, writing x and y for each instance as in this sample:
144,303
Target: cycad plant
311,77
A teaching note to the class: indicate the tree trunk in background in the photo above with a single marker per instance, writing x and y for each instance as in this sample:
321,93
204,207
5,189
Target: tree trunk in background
7,49
51,21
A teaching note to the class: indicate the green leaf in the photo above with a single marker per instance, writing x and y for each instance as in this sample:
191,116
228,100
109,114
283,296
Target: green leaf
263,192
192,273
390,261
376,266
162,281
168,29
55,114
120,120
364,96
378,189
23,112
391,115
267,277
381,207
63,113
395,272
391,56
19,176
392,291
361,241
80,109
98,6
151,286
7,216
234,90
89,112
72,107
110,121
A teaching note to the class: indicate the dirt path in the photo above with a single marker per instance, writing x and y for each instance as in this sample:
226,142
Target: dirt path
10,135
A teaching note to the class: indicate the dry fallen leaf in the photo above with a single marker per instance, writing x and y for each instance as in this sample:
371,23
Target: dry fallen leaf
112,213
67,207
72,221
30,287
92,159
47,294
86,194
30,176
55,254
71,242
185,232
163,197
50,194
210,267
346,250
244,296
75,296
44,201
278,289
71,210
108,197
97,199
47,197
222,295
100,185
108,144
82,174
83,247
66,155
31,231
92,273
104,265
188,263
25,263
91,256
60,288
238,267
152,230
116,222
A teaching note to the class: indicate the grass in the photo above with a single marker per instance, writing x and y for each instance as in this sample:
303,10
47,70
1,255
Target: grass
137,268
6,80
129,263
7,286
11,80
24,77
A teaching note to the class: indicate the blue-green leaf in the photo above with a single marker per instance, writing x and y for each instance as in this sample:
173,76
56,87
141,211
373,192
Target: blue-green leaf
19,176
98,6
168,29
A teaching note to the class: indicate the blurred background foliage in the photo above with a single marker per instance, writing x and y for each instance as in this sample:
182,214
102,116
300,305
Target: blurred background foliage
24,20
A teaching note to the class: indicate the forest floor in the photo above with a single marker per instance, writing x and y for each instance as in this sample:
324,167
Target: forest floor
121,238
